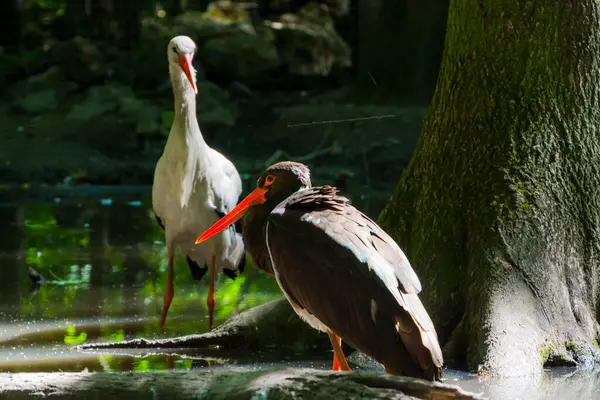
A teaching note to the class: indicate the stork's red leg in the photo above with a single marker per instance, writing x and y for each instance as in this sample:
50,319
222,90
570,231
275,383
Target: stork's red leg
170,362
169,290
337,351
210,301
336,363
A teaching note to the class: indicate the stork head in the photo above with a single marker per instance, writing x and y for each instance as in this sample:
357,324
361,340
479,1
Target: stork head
278,182
180,54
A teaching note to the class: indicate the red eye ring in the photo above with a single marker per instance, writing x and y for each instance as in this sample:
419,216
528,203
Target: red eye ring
269,180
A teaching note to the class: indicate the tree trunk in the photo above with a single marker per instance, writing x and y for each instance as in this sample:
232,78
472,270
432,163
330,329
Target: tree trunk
74,22
367,15
11,25
128,14
173,8
499,209
12,266
400,61
288,383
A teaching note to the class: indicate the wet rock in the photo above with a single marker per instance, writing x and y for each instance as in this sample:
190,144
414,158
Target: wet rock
143,113
349,131
217,119
236,47
308,43
131,69
41,93
199,26
221,18
336,7
227,10
119,110
79,60
243,55
115,120
49,79
99,100
20,66
210,95
38,102
215,110
230,47
239,91
120,103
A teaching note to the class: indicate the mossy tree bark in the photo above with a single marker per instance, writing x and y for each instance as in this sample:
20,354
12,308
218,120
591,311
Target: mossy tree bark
499,209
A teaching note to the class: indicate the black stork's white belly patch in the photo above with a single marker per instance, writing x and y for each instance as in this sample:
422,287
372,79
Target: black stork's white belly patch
302,312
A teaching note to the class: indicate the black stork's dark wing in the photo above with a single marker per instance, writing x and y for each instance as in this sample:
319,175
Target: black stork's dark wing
340,266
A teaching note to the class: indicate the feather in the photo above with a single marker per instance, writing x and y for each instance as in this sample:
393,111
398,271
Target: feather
335,264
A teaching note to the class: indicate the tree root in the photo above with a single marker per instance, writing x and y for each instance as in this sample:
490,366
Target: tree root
273,323
284,383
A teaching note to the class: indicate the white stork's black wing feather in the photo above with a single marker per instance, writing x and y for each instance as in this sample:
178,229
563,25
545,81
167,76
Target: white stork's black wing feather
337,264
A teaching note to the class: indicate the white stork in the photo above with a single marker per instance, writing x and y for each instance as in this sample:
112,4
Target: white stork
194,186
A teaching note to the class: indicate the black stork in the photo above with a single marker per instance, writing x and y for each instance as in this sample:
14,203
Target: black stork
338,269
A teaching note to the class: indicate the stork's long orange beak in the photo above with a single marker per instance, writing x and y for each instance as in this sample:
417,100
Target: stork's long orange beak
186,65
256,197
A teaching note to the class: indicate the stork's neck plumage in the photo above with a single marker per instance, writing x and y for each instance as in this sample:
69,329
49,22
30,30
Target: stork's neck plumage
185,108
186,135
254,237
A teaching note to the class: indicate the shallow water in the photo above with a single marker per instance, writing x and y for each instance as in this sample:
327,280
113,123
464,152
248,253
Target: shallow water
103,258
104,261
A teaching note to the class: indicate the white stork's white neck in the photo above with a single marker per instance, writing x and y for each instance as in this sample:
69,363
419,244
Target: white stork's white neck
187,132
185,105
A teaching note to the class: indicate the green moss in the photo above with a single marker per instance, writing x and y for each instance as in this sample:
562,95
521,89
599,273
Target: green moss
545,352
525,204
577,349
596,343
572,346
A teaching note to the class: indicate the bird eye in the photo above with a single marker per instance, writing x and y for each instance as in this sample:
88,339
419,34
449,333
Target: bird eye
269,180
174,50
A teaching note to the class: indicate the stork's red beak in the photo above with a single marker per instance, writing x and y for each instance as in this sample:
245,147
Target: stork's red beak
186,65
256,197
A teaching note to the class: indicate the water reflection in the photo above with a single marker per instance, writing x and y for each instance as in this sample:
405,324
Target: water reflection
556,384
101,260
89,265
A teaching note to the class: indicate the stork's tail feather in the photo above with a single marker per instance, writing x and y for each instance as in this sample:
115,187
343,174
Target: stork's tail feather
242,263
197,271
422,342
158,220
230,273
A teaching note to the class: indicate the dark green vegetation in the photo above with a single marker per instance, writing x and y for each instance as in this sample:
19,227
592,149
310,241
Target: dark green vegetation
85,96
499,208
